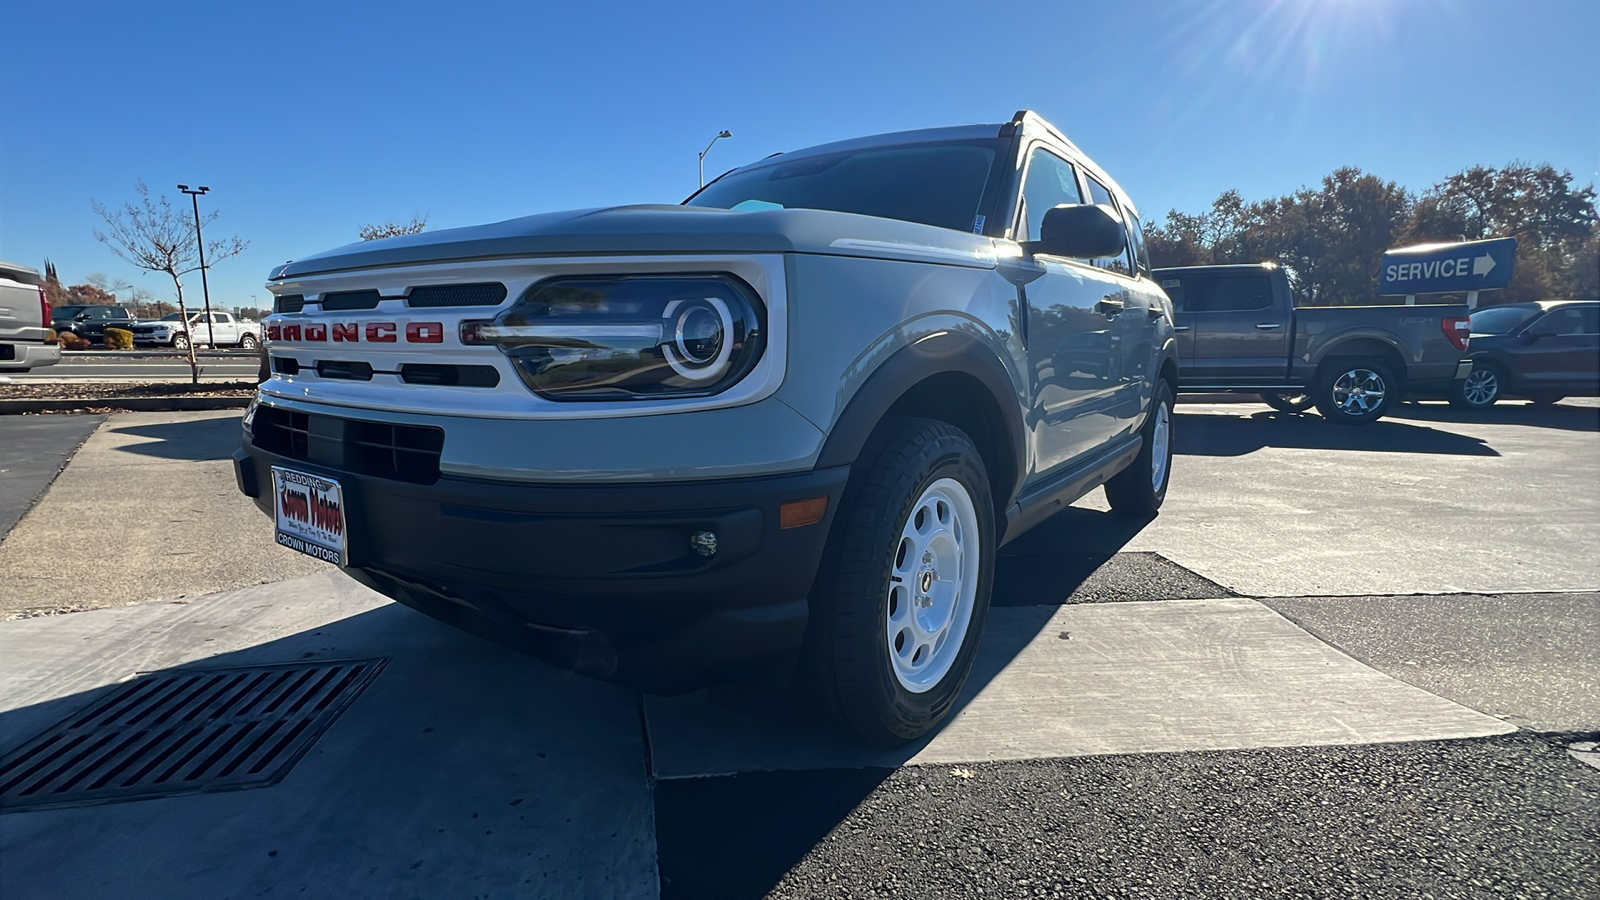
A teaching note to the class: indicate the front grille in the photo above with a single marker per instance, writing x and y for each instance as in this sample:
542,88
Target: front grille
286,365
184,732
289,303
350,300
8,351
457,376
379,449
350,371
489,293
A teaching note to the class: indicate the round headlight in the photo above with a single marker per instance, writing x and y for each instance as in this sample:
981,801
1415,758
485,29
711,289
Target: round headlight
700,345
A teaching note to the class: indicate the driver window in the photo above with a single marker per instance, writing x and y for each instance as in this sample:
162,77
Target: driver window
1562,321
1051,181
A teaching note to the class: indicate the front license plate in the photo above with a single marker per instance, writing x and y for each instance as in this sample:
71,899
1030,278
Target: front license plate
310,515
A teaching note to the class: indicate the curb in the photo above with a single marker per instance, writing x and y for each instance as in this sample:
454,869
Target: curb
1219,398
130,404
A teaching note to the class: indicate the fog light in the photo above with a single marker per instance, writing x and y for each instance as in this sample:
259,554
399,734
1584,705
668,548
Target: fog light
704,543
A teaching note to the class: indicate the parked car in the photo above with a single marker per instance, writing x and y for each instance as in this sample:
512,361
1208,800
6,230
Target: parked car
1543,351
224,330
1240,331
25,335
91,322
791,419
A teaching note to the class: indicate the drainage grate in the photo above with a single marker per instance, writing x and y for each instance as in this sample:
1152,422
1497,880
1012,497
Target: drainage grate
184,732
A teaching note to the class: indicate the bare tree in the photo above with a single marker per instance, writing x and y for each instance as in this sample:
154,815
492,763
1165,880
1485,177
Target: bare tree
152,237
394,229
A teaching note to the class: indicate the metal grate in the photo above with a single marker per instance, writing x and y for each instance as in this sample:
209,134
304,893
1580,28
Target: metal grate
338,368
489,293
184,732
350,300
289,303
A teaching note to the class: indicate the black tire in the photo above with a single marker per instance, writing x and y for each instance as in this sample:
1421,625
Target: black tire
180,342
1287,403
1546,399
1481,389
848,644
248,342
1345,389
1140,489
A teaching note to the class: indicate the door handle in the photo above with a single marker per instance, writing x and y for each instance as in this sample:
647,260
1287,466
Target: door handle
1269,326
1180,328
1109,308
1154,312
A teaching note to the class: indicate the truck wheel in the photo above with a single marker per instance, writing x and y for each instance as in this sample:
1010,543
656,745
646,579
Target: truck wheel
1355,392
180,342
248,342
1140,488
896,624
1480,389
1288,403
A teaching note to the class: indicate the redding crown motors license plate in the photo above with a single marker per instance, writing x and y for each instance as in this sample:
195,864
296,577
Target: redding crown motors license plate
310,515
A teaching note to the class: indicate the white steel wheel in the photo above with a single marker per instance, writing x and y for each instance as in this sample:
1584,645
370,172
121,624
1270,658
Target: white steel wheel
1161,447
933,585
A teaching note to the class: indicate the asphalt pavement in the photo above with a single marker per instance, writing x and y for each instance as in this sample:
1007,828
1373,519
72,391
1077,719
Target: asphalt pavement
1215,702
35,450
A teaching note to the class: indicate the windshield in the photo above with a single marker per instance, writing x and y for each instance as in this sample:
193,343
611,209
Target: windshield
1500,321
937,184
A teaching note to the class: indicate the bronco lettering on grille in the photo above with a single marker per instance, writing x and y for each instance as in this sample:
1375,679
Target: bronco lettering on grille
351,332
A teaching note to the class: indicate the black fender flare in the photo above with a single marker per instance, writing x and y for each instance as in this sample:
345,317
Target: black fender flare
938,354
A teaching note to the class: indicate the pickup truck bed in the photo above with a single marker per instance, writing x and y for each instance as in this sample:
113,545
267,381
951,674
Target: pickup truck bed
1239,330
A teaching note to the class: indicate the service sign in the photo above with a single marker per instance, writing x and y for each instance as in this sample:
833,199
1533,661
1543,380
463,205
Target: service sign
310,515
1448,268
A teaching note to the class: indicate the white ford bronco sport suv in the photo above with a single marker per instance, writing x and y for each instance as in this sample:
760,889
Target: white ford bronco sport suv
792,418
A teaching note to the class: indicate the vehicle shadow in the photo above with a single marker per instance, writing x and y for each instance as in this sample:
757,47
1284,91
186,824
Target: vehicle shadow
1562,416
191,439
452,726
717,837
1219,434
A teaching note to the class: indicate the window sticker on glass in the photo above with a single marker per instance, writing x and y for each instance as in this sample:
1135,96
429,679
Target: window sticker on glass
977,225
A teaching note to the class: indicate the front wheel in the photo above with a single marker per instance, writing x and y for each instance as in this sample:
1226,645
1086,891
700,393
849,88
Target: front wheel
1355,392
1141,488
1480,389
180,342
248,342
896,625
1288,403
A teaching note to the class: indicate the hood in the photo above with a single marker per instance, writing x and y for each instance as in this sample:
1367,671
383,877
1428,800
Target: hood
660,229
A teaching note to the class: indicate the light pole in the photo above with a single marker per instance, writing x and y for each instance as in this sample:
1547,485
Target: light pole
708,150
205,290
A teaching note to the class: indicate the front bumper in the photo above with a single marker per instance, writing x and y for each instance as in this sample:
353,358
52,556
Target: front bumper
598,578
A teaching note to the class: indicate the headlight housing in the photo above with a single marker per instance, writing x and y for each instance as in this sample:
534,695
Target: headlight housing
634,337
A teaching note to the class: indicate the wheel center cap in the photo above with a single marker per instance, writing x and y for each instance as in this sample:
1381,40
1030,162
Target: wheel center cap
926,582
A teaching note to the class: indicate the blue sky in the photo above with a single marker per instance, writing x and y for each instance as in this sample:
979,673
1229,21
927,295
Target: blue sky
310,119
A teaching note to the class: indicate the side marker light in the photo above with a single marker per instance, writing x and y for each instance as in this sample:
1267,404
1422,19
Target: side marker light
796,513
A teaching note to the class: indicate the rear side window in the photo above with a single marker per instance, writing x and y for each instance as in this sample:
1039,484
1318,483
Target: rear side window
1228,293
1563,321
1099,193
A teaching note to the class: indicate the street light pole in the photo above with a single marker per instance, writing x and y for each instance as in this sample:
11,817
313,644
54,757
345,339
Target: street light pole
708,150
199,242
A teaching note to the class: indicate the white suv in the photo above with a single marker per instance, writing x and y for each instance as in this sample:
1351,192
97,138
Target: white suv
223,331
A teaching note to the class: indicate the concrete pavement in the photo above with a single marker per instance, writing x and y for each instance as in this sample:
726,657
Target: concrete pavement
146,510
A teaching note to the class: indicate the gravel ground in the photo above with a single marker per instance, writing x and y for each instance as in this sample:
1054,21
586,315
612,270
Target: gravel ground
77,390
1511,816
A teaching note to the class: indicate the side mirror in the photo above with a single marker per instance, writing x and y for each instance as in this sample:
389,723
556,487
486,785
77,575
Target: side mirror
1079,231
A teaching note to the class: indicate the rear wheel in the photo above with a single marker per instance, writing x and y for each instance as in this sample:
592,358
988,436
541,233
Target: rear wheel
1289,403
180,342
1355,392
895,626
248,342
1480,389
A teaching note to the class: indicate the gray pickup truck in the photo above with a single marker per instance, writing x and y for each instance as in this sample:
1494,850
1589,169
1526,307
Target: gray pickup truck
26,340
791,419
1240,331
